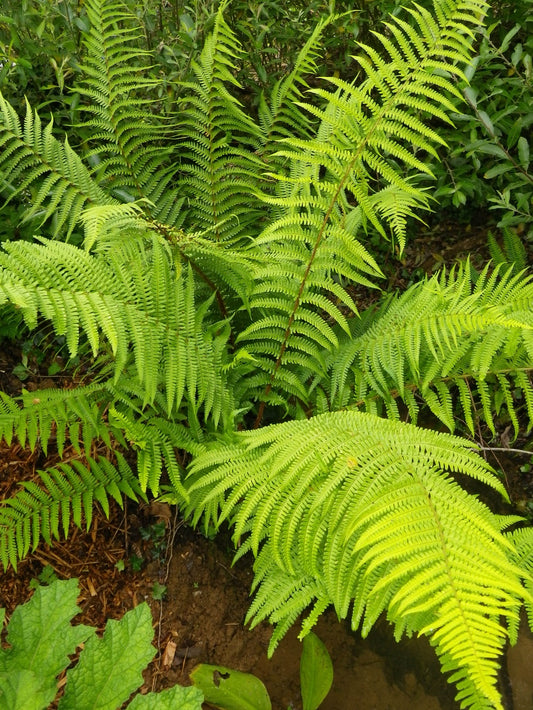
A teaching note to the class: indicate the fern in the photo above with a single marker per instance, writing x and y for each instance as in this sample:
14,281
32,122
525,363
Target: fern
138,305
451,333
512,250
126,138
348,508
58,414
68,491
336,177
522,540
214,292
220,171
280,116
31,157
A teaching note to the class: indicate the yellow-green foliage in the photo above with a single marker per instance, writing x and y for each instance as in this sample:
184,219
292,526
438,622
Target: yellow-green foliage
212,296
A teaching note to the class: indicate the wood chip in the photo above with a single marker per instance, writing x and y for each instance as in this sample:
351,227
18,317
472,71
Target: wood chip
169,653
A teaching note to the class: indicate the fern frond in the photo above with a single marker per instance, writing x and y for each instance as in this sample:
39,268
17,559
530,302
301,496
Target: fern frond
218,141
363,511
32,159
512,250
67,492
450,335
58,415
280,116
368,141
522,539
156,440
136,300
127,141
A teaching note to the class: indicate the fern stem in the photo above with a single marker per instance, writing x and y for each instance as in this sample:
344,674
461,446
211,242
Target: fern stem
167,234
503,448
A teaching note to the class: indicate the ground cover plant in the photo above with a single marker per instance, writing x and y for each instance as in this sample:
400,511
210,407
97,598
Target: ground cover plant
203,265
41,639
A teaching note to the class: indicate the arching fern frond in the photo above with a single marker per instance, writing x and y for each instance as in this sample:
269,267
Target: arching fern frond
455,338
67,492
137,301
369,139
218,141
56,414
33,160
357,510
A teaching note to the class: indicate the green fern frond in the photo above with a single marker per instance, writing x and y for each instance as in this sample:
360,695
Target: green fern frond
368,140
447,335
295,311
58,415
522,539
156,440
220,170
225,270
32,159
127,141
138,304
280,115
362,511
512,250
67,492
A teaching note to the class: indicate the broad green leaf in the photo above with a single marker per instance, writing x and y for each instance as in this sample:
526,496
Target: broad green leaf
110,668
23,690
175,698
41,636
230,690
498,169
316,672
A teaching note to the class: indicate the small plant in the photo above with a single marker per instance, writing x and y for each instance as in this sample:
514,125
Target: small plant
159,591
40,638
46,576
155,535
232,690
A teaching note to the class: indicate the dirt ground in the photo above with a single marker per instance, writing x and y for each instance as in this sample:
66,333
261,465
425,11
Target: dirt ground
142,553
